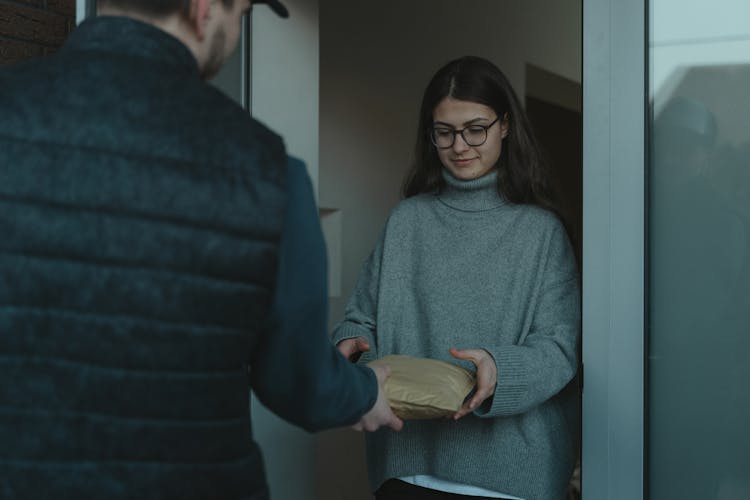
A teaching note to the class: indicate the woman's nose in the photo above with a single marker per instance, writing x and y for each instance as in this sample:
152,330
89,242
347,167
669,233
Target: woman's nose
459,144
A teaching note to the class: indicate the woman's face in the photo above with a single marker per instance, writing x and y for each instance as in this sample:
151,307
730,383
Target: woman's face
462,160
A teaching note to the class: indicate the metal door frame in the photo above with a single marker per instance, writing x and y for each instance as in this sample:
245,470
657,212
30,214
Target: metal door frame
614,171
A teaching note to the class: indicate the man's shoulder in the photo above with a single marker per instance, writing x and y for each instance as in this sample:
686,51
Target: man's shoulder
227,123
24,77
125,108
226,117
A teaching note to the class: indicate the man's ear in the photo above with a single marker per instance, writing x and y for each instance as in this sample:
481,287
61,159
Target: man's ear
198,16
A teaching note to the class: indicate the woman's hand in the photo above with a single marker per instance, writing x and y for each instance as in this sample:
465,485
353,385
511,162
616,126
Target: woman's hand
486,378
352,349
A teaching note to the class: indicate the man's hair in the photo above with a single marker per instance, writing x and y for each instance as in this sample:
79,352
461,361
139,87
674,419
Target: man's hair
158,8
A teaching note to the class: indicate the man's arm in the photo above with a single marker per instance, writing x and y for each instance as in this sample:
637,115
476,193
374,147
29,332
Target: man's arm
296,371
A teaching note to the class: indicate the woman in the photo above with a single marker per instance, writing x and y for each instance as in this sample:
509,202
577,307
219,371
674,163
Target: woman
474,267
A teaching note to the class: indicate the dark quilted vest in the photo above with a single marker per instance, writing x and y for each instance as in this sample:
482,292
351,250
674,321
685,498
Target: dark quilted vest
140,213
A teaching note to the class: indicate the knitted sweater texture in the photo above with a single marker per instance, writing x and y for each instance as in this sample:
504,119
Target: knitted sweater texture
466,269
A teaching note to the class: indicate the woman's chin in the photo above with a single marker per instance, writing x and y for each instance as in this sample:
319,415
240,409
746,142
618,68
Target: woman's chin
467,172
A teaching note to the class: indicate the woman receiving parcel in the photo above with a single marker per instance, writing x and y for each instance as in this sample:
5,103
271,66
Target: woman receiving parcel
475,267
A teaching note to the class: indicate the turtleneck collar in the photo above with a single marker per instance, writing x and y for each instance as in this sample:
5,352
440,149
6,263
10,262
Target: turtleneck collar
130,37
476,195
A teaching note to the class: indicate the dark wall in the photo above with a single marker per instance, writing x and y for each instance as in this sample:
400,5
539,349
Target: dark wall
34,28
560,130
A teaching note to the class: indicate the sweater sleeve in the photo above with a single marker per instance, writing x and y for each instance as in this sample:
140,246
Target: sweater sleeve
295,371
545,361
361,310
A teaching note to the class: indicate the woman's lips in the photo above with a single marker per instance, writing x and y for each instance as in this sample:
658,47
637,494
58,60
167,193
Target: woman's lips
462,162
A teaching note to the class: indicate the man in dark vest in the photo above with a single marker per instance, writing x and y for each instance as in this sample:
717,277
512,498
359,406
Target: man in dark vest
158,253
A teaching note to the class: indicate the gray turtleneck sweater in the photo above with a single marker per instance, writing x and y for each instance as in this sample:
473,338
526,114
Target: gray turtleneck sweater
466,269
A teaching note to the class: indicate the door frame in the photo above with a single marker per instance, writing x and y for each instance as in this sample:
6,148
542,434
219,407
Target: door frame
614,171
614,244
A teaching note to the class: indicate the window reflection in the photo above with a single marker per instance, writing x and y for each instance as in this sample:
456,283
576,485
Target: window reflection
699,261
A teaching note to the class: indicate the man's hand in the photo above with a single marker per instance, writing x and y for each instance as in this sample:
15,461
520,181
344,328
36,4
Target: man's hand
486,378
380,414
352,349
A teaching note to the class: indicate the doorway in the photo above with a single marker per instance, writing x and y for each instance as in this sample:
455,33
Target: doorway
375,60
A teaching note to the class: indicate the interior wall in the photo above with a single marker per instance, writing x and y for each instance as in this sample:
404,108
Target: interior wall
555,109
284,88
285,77
375,59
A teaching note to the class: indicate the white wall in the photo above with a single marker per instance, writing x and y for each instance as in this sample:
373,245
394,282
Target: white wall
284,79
375,60
80,11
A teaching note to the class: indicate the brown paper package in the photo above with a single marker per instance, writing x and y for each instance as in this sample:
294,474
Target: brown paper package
422,388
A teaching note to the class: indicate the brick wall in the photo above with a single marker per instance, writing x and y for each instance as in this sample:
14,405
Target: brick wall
33,28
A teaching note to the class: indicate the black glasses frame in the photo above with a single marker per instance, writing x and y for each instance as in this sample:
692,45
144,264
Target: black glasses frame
457,131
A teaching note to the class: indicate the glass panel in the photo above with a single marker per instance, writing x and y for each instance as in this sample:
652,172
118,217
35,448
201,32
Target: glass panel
698,444
229,79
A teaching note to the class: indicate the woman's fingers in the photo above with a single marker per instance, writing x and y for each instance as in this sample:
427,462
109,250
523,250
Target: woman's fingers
486,378
466,354
351,349
345,347
362,345
473,403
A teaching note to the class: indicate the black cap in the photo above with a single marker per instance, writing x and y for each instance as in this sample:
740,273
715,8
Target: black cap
275,5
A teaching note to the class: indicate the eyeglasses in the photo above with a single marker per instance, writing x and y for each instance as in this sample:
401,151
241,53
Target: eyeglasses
473,135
